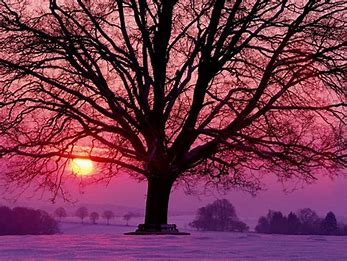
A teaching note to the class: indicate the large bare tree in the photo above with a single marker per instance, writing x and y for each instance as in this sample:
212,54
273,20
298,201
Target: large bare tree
169,91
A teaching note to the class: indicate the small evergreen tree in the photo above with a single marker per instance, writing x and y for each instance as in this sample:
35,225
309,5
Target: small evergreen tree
263,225
293,224
329,224
278,222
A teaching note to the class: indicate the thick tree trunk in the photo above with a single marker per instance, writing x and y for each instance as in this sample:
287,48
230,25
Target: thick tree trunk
157,203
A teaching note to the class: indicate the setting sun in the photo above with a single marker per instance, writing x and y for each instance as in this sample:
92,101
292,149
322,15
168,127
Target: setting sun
82,167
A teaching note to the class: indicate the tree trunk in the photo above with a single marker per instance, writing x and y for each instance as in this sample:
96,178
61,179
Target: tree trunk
157,203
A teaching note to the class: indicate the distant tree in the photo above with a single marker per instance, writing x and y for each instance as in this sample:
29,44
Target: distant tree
108,214
82,213
237,225
278,222
344,230
202,220
6,221
293,224
223,213
263,225
60,213
329,224
47,224
94,216
25,221
128,216
307,215
274,223
218,216
310,221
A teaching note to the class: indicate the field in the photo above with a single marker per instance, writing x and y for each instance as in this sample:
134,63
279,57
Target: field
101,242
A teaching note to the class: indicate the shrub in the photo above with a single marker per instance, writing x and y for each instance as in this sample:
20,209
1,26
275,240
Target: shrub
218,216
25,221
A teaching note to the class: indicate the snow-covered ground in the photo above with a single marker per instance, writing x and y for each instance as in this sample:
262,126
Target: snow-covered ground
102,242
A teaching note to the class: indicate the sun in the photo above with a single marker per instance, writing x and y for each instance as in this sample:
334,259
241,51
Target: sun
82,167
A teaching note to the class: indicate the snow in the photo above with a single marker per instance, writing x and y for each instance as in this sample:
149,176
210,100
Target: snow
101,242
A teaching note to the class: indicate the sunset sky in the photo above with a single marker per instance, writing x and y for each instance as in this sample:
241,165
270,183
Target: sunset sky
326,195
323,196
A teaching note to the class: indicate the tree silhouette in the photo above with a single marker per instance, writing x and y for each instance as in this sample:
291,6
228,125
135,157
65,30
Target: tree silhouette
128,216
26,221
94,216
309,221
179,91
277,222
108,214
306,222
293,224
263,225
60,213
82,213
218,216
7,221
329,224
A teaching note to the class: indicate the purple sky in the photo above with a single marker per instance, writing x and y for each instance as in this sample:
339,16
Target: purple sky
323,196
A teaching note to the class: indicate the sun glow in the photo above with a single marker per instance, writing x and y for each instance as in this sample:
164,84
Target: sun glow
82,167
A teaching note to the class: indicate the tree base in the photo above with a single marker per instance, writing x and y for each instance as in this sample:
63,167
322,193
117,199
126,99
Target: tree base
157,229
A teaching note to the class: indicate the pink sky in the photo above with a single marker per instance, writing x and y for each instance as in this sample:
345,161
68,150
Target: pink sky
323,196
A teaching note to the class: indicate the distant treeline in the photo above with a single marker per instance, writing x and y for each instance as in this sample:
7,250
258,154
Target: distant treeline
26,221
82,213
304,222
221,216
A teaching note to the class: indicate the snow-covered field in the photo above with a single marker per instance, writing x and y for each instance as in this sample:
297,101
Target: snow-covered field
102,242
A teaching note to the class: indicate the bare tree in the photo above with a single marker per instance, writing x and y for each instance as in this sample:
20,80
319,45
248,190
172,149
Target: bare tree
173,91
94,216
60,213
310,221
108,214
82,213
128,216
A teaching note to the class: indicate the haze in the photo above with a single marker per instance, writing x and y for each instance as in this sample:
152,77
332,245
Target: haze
323,196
